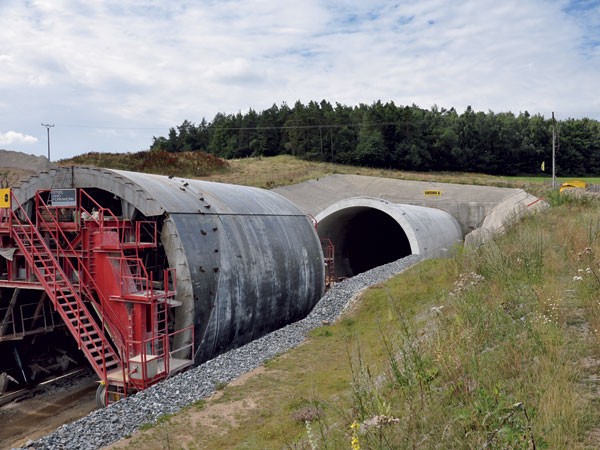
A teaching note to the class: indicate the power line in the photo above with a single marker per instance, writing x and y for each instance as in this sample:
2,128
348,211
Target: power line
110,128
300,127
237,128
279,127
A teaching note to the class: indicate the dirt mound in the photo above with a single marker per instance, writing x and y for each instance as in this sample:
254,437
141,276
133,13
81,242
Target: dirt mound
18,160
16,165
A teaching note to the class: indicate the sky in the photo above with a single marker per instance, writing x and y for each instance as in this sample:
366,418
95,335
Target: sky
110,75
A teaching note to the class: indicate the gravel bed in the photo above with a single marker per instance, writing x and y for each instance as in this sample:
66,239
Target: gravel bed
108,425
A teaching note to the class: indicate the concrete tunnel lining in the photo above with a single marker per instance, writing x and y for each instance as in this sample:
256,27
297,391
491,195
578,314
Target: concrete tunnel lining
258,264
396,230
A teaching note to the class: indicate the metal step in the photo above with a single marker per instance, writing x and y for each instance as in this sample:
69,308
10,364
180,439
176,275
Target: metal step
61,292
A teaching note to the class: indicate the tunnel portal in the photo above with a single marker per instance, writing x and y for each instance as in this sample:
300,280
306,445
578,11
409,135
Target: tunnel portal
364,238
368,232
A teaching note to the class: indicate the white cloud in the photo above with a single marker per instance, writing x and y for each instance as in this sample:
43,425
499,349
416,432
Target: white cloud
149,63
12,137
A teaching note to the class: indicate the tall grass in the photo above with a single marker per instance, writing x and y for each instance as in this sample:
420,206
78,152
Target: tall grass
498,347
497,363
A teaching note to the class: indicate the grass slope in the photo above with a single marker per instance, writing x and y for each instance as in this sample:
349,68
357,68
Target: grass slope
495,347
548,179
268,172
285,169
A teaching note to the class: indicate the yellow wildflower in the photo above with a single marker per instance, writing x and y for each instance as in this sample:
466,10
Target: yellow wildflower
355,444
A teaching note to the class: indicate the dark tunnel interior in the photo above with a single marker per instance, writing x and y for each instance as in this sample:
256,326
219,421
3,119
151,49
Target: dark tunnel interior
364,238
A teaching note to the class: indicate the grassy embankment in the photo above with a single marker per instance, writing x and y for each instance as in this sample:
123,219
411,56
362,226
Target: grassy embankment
281,170
265,172
548,179
497,347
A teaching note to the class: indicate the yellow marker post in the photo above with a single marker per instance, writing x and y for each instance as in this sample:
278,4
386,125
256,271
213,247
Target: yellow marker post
436,193
4,198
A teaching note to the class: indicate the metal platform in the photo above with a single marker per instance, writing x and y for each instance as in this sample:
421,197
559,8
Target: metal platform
176,365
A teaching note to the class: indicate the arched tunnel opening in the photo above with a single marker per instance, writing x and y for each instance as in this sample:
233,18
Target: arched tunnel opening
364,238
149,275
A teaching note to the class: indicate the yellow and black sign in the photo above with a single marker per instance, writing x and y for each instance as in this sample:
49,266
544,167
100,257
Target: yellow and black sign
438,193
4,198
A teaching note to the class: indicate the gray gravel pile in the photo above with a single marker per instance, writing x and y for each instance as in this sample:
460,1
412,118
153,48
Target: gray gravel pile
19,160
107,425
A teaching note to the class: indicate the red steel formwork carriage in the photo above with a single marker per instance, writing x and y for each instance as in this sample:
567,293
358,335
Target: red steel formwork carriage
87,261
328,250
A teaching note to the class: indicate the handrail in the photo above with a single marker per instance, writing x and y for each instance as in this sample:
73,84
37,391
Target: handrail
83,269
101,212
5,214
165,353
143,354
328,245
133,273
183,347
170,274
57,267
329,257
138,231
141,281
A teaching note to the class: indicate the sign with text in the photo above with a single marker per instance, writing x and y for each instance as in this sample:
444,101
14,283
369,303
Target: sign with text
438,193
63,197
4,198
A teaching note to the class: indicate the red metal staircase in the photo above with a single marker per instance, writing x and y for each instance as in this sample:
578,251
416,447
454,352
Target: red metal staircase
65,296
90,267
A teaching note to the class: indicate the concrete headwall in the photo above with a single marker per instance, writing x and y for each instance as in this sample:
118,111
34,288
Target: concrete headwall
468,204
504,213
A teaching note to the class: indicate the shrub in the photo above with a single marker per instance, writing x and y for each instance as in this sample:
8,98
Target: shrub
184,164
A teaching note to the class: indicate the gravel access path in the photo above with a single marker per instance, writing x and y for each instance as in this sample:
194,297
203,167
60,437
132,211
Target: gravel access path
108,425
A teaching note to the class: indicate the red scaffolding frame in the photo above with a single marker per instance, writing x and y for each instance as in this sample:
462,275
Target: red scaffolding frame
88,263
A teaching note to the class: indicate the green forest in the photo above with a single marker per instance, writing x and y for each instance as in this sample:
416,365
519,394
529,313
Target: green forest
399,137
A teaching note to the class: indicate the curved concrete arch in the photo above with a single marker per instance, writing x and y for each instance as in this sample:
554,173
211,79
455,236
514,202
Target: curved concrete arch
367,232
248,260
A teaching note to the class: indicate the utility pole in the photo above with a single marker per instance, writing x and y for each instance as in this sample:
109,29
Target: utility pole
321,138
553,151
48,126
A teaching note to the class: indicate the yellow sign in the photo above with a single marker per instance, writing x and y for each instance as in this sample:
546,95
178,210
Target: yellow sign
4,198
433,192
573,184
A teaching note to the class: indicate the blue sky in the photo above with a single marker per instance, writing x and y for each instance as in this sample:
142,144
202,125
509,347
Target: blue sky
112,74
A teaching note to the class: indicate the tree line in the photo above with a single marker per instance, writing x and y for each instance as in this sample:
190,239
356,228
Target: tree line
400,137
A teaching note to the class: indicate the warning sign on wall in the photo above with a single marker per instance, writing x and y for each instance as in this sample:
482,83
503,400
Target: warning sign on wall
4,198
63,197
433,192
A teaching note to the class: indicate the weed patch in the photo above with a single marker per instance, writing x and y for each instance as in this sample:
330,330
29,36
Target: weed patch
184,164
497,347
